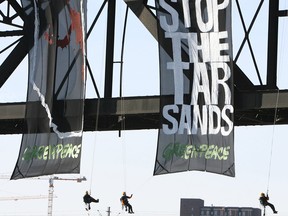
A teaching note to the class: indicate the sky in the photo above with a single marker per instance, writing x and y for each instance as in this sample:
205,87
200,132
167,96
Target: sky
114,164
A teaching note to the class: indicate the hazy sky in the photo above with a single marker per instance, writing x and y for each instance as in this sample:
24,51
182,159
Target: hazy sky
112,164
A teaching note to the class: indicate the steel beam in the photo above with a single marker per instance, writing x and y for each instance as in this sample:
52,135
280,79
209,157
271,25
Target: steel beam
110,48
251,108
272,44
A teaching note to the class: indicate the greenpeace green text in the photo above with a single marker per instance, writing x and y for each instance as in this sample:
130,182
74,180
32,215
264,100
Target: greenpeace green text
202,151
52,152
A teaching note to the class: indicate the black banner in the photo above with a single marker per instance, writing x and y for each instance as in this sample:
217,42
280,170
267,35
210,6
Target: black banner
56,88
197,125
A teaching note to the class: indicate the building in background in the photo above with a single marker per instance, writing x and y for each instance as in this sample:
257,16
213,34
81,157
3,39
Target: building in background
195,207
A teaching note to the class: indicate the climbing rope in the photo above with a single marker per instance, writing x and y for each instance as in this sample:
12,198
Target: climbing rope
98,106
272,143
122,116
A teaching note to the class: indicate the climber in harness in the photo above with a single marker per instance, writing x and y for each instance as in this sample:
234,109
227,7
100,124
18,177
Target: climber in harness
125,203
264,201
89,199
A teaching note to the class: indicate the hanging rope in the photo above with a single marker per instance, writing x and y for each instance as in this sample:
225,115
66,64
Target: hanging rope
97,113
281,61
272,142
122,116
95,142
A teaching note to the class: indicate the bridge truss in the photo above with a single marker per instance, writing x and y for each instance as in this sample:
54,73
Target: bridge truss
254,103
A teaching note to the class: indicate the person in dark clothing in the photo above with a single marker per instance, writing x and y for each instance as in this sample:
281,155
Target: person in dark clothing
264,201
125,202
88,199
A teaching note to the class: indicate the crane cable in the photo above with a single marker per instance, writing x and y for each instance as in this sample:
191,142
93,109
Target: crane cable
272,141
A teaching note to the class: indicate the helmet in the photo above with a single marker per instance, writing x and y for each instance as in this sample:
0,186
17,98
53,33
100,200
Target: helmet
262,194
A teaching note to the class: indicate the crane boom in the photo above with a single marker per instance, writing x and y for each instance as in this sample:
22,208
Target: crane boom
16,198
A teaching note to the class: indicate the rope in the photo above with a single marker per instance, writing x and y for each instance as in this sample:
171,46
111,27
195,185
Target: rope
95,137
124,165
272,142
276,107
97,112
122,117
94,146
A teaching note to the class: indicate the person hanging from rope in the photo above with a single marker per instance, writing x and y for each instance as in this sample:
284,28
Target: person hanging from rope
89,199
264,201
123,205
125,202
